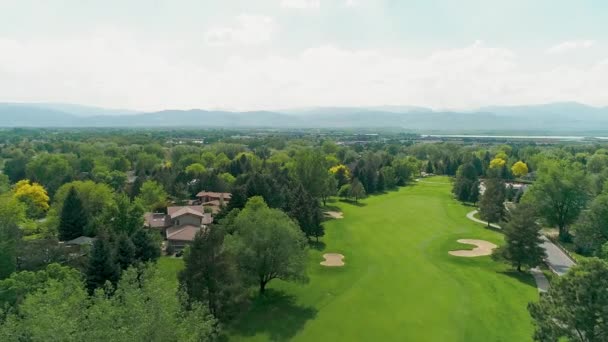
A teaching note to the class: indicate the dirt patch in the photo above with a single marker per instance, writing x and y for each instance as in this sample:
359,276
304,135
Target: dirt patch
333,260
482,248
334,214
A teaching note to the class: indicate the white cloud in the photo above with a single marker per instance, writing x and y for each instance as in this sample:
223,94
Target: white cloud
571,45
301,4
350,3
114,69
247,29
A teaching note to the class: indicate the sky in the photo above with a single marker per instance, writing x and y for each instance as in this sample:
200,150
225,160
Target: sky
272,54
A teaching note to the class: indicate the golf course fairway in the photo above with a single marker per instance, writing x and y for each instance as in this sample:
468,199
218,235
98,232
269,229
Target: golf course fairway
398,282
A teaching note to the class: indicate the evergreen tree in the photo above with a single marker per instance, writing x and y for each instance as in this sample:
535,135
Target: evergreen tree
523,239
466,184
125,252
306,211
380,184
101,266
147,248
491,205
73,218
429,167
210,273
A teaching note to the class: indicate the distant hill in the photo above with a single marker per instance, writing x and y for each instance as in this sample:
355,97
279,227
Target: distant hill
550,118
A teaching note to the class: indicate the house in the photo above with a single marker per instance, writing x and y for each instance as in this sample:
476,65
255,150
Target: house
179,225
213,200
208,196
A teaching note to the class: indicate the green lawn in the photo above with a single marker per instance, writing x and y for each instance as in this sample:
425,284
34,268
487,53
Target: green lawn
399,283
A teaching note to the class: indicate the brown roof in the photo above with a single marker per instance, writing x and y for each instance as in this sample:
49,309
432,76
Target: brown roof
173,209
157,220
224,195
185,211
183,233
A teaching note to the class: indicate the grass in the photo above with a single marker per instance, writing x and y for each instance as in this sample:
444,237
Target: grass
399,282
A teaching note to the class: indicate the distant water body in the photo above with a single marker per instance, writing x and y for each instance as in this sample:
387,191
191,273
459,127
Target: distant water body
535,137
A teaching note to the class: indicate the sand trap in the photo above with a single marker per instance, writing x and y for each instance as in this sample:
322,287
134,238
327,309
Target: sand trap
334,214
333,260
483,248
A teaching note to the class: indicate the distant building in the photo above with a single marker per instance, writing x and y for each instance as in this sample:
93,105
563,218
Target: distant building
213,200
179,225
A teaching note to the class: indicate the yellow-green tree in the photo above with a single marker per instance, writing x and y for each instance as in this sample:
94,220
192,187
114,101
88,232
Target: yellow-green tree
33,195
519,169
497,163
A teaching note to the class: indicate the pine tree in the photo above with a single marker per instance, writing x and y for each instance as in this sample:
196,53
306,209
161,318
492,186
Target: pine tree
523,239
491,205
429,167
466,185
146,247
101,266
380,183
73,218
210,273
125,252
306,211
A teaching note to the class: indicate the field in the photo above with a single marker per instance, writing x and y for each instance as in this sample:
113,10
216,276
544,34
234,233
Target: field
399,283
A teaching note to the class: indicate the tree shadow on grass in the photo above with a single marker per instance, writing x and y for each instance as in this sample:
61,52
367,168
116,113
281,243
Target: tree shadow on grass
524,278
331,208
351,202
275,314
317,245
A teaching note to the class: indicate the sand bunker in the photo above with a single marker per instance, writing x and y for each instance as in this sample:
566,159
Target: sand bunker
334,214
483,248
333,260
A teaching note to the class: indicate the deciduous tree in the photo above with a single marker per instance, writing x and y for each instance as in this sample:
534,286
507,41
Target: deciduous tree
519,169
268,245
559,194
576,305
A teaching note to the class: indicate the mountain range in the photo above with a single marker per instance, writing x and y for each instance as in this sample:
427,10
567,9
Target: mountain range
567,117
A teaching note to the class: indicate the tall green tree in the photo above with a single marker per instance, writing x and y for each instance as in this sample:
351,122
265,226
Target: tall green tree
73,218
357,190
50,170
310,170
210,273
152,195
491,205
576,306
125,251
592,226
304,208
12,214
268,245
139,309
126,216
330,188
559,194
102,265
147,246
523,239
466,184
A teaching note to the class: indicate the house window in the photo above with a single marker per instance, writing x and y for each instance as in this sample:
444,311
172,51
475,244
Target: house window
177,222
